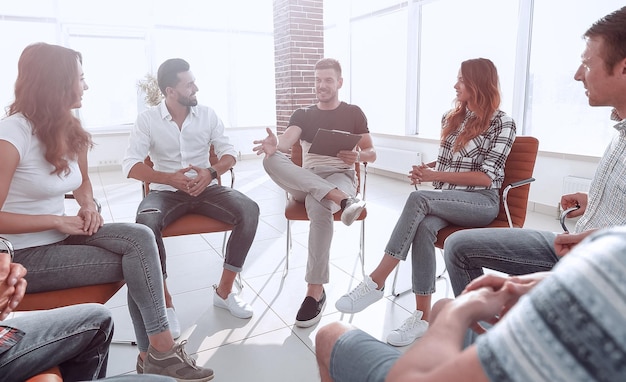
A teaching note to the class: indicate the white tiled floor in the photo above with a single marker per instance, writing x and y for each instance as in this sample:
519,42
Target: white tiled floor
267,347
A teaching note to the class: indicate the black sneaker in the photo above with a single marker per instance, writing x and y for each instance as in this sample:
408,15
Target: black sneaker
310,312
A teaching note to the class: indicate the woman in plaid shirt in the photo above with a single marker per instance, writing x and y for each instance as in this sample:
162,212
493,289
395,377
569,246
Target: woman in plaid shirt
476,139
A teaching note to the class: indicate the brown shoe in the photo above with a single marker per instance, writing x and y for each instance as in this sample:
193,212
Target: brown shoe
175,363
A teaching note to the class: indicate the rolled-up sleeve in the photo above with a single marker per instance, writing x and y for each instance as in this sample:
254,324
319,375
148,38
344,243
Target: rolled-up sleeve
504,132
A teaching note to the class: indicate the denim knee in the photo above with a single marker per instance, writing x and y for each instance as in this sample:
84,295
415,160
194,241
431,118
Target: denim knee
149,217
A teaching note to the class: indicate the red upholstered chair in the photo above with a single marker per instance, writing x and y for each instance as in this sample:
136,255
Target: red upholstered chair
518,173
295,210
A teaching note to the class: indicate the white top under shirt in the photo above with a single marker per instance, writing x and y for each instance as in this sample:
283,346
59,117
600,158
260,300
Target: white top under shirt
171,148
34,190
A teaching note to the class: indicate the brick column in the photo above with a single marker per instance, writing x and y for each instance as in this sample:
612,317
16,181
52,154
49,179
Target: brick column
298,45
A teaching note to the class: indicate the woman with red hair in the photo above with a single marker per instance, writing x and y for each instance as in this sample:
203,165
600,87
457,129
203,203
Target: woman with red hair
476,139
43,156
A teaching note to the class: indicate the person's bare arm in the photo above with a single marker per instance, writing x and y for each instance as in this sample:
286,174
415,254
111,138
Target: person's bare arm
23,223
270,144
92,220
565,242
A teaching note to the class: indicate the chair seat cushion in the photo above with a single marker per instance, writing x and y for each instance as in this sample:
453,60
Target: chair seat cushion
296,211
192,224
100,293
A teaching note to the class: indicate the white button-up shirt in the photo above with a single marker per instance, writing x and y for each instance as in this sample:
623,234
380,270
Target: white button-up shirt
170,148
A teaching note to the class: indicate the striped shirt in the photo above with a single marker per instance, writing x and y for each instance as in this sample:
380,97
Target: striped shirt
571,327
486,152
606,204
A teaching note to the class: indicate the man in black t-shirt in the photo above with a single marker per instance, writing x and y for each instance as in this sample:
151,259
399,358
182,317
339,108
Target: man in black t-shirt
325,184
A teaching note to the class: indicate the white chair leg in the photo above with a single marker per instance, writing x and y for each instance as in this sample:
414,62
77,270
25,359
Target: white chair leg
288,249
362,248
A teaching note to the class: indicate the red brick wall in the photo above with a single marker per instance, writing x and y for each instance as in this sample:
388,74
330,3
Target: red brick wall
298,45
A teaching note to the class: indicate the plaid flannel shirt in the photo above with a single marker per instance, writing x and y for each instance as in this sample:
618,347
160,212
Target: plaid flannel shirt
486,152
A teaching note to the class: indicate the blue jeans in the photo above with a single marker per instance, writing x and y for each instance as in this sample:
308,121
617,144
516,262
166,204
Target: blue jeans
514,251
160,208
118,251
75,338
424,214
359,357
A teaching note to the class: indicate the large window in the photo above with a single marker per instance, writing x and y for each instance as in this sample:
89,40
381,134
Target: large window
403,57
230,51
557,111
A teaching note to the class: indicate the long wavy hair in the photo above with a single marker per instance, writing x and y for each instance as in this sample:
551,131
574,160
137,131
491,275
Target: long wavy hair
45,91
481,80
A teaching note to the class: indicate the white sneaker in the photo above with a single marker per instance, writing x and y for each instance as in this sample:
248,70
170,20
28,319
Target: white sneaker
364,295
352,210
172,320
412,328
233,303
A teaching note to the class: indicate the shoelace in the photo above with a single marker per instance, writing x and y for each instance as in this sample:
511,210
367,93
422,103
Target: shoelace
408,324
361,290
183,354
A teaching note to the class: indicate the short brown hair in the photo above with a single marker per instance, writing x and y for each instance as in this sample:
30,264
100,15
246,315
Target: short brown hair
329,63
612,29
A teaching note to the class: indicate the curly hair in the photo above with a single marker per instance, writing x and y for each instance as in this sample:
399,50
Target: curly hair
481,81
45,91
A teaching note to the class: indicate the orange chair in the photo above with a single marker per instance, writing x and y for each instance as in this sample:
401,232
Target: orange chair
192,224
518,173
295,210
51,375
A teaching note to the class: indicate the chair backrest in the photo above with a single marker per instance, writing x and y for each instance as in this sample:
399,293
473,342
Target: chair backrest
296,157
519,166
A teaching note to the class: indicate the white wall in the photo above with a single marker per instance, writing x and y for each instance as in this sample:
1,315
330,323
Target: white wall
545,192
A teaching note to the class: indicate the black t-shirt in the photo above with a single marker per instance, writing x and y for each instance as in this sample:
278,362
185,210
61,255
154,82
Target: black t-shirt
345,117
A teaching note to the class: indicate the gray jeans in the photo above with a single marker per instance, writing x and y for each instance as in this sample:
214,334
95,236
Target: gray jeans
424,214
160,208
311,186
118,251
514,251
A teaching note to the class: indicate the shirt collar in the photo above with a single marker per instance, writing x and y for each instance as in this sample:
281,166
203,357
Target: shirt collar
621,125
165,114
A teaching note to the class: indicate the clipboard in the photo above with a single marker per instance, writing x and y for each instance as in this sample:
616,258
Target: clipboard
330,142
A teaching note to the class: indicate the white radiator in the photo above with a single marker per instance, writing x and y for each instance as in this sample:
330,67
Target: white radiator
573,184
395,160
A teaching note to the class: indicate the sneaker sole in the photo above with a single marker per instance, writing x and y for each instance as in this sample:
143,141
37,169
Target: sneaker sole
357,213
400,344
312,321
219,305
353,311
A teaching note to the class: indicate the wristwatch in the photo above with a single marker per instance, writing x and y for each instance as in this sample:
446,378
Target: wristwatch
213,173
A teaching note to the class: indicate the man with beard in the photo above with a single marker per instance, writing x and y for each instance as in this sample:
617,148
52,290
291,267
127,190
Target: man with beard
325,184
177,135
